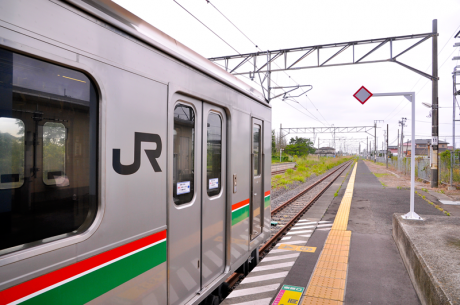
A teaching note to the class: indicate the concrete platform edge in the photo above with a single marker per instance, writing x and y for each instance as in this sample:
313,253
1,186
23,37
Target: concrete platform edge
427,287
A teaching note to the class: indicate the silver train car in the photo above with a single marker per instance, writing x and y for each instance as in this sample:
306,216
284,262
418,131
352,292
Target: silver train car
132,170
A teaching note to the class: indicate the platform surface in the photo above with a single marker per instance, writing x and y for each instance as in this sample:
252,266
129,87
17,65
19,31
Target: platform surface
356,259
431,251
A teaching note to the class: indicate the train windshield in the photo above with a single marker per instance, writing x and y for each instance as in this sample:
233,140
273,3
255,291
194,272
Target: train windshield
48,151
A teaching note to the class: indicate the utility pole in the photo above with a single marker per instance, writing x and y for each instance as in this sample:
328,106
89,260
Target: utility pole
386,152
434,105
375,141
367,147
401,150
455,93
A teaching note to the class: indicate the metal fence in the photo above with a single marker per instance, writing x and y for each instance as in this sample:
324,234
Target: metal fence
423,169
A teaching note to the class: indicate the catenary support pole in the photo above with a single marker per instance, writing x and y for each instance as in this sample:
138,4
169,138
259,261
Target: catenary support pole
435,114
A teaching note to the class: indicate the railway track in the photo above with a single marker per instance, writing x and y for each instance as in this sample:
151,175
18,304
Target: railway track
278,172
292,210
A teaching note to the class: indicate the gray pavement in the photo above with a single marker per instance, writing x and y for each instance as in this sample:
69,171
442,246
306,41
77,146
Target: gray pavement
376,273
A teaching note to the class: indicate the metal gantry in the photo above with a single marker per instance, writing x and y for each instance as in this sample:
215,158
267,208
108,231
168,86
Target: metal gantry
260,63
291,59
332,130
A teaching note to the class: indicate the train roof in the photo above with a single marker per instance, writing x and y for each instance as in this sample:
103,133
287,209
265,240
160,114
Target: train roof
126,21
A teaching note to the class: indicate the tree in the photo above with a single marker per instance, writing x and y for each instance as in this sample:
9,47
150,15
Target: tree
299,146
273,142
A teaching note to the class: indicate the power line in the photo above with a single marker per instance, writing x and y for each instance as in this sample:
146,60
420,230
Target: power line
208,1
400,103
206,26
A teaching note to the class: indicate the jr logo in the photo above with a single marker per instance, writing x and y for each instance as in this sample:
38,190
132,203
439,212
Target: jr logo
139,137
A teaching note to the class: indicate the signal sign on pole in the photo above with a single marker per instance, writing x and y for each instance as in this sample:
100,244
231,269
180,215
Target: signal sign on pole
362,95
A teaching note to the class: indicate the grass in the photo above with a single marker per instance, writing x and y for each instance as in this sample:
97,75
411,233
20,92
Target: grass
433,204
380,175
306,166
425,190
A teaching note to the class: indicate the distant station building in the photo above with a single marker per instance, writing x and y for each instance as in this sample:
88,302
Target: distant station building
325,152
423,147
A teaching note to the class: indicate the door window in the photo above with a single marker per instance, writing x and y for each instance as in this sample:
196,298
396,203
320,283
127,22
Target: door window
184,154
256,149
214,154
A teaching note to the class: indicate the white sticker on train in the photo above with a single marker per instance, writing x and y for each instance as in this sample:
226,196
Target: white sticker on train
183,187
213,183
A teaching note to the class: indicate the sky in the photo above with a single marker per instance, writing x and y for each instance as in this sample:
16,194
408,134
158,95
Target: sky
275,25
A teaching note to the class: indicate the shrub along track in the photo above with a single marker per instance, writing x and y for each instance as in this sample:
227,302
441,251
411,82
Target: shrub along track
288,213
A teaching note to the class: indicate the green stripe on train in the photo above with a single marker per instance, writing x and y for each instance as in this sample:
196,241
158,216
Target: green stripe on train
100,281
267,201
240,215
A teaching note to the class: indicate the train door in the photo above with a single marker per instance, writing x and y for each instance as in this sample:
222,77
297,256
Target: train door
184,224
256,187
213,193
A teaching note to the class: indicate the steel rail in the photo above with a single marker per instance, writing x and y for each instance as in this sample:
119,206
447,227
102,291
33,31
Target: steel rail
289,201
233,279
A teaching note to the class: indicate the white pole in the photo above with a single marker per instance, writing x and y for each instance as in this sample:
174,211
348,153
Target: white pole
411,97
412,165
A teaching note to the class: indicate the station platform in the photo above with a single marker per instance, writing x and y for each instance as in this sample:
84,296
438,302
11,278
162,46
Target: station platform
341,251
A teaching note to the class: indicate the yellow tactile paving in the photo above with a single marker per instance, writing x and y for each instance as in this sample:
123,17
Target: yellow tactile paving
334,258
325,292
318,301
337,274
328,282
332,265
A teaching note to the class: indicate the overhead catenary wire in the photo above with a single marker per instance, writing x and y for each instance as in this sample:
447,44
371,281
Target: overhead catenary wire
209,2
314,118
420,78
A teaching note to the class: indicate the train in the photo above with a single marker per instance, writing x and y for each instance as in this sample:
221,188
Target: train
132,169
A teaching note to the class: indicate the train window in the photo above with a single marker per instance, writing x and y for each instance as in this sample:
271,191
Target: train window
11,153
256,148
54,135
184,154
48,152
214,154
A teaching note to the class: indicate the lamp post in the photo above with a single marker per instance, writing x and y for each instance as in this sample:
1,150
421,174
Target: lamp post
280,153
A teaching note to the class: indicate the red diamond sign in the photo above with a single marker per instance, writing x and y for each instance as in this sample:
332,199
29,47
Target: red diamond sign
362,95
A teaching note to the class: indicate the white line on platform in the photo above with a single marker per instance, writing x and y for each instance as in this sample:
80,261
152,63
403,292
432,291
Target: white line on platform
325,229
274,266
301,223
248,291
302,227
278,250
286,238
293,242
256,302
280,257
266,277
324,225
298,232
323,221
305,235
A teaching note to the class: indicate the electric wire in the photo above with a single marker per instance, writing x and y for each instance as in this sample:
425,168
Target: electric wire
314,118
421,77
208,1
206,26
